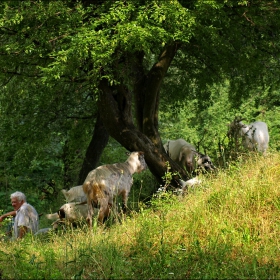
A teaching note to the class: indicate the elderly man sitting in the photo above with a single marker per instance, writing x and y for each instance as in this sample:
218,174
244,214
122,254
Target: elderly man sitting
26,217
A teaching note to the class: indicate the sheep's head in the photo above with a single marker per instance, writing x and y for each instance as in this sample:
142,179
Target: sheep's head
187,158
234,127
204,162
136,159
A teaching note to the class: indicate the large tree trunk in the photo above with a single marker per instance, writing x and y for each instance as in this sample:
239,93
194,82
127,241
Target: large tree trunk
94,151
133,139
118,118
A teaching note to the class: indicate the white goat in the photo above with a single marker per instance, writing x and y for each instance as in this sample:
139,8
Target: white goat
185,185
186,155
69,213
106,182
255,136
75,194
189,183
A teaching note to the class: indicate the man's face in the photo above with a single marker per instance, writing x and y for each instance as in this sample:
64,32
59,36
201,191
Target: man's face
16,204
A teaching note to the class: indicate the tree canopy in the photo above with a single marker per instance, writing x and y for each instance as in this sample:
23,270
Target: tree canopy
74,72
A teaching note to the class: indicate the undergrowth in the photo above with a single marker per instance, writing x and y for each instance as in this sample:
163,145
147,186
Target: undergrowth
227,227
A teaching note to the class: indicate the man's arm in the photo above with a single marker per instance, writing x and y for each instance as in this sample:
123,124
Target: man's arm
6,215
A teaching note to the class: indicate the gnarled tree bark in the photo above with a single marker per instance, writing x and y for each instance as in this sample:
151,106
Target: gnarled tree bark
118,118
94,151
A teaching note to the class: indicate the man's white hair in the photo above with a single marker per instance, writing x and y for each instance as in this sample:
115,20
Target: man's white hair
19,195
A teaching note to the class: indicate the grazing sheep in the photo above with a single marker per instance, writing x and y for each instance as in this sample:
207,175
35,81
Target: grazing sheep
204,162
189,183
254,136
75,194
185,185
106,182
181,152
186,155
69,213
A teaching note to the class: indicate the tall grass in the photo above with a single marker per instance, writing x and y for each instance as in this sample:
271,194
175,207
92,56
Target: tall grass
226,228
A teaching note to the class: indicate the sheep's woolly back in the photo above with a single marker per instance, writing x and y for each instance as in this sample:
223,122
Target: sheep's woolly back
113,178
70,212
254,135
117,176
107,181
74,212
75,194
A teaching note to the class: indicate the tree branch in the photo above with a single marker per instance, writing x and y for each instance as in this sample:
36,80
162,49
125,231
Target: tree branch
150,92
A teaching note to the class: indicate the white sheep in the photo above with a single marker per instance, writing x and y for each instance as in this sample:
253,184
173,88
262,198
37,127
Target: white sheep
69,213
254,136
186,155
190,183
185,185
106,182
75,194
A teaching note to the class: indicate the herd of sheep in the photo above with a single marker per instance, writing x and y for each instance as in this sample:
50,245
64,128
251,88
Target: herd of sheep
101,187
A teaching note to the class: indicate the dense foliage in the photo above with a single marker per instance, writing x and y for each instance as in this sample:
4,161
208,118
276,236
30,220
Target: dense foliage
74,72
83,81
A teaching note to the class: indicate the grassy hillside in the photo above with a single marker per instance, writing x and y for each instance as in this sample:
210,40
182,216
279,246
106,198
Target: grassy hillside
226,228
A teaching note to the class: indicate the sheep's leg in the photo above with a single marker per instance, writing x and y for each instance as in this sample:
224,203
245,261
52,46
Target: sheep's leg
108,210
90,211
104,210
103,214
124,201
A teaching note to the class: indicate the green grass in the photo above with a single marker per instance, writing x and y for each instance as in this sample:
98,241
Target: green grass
226,228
